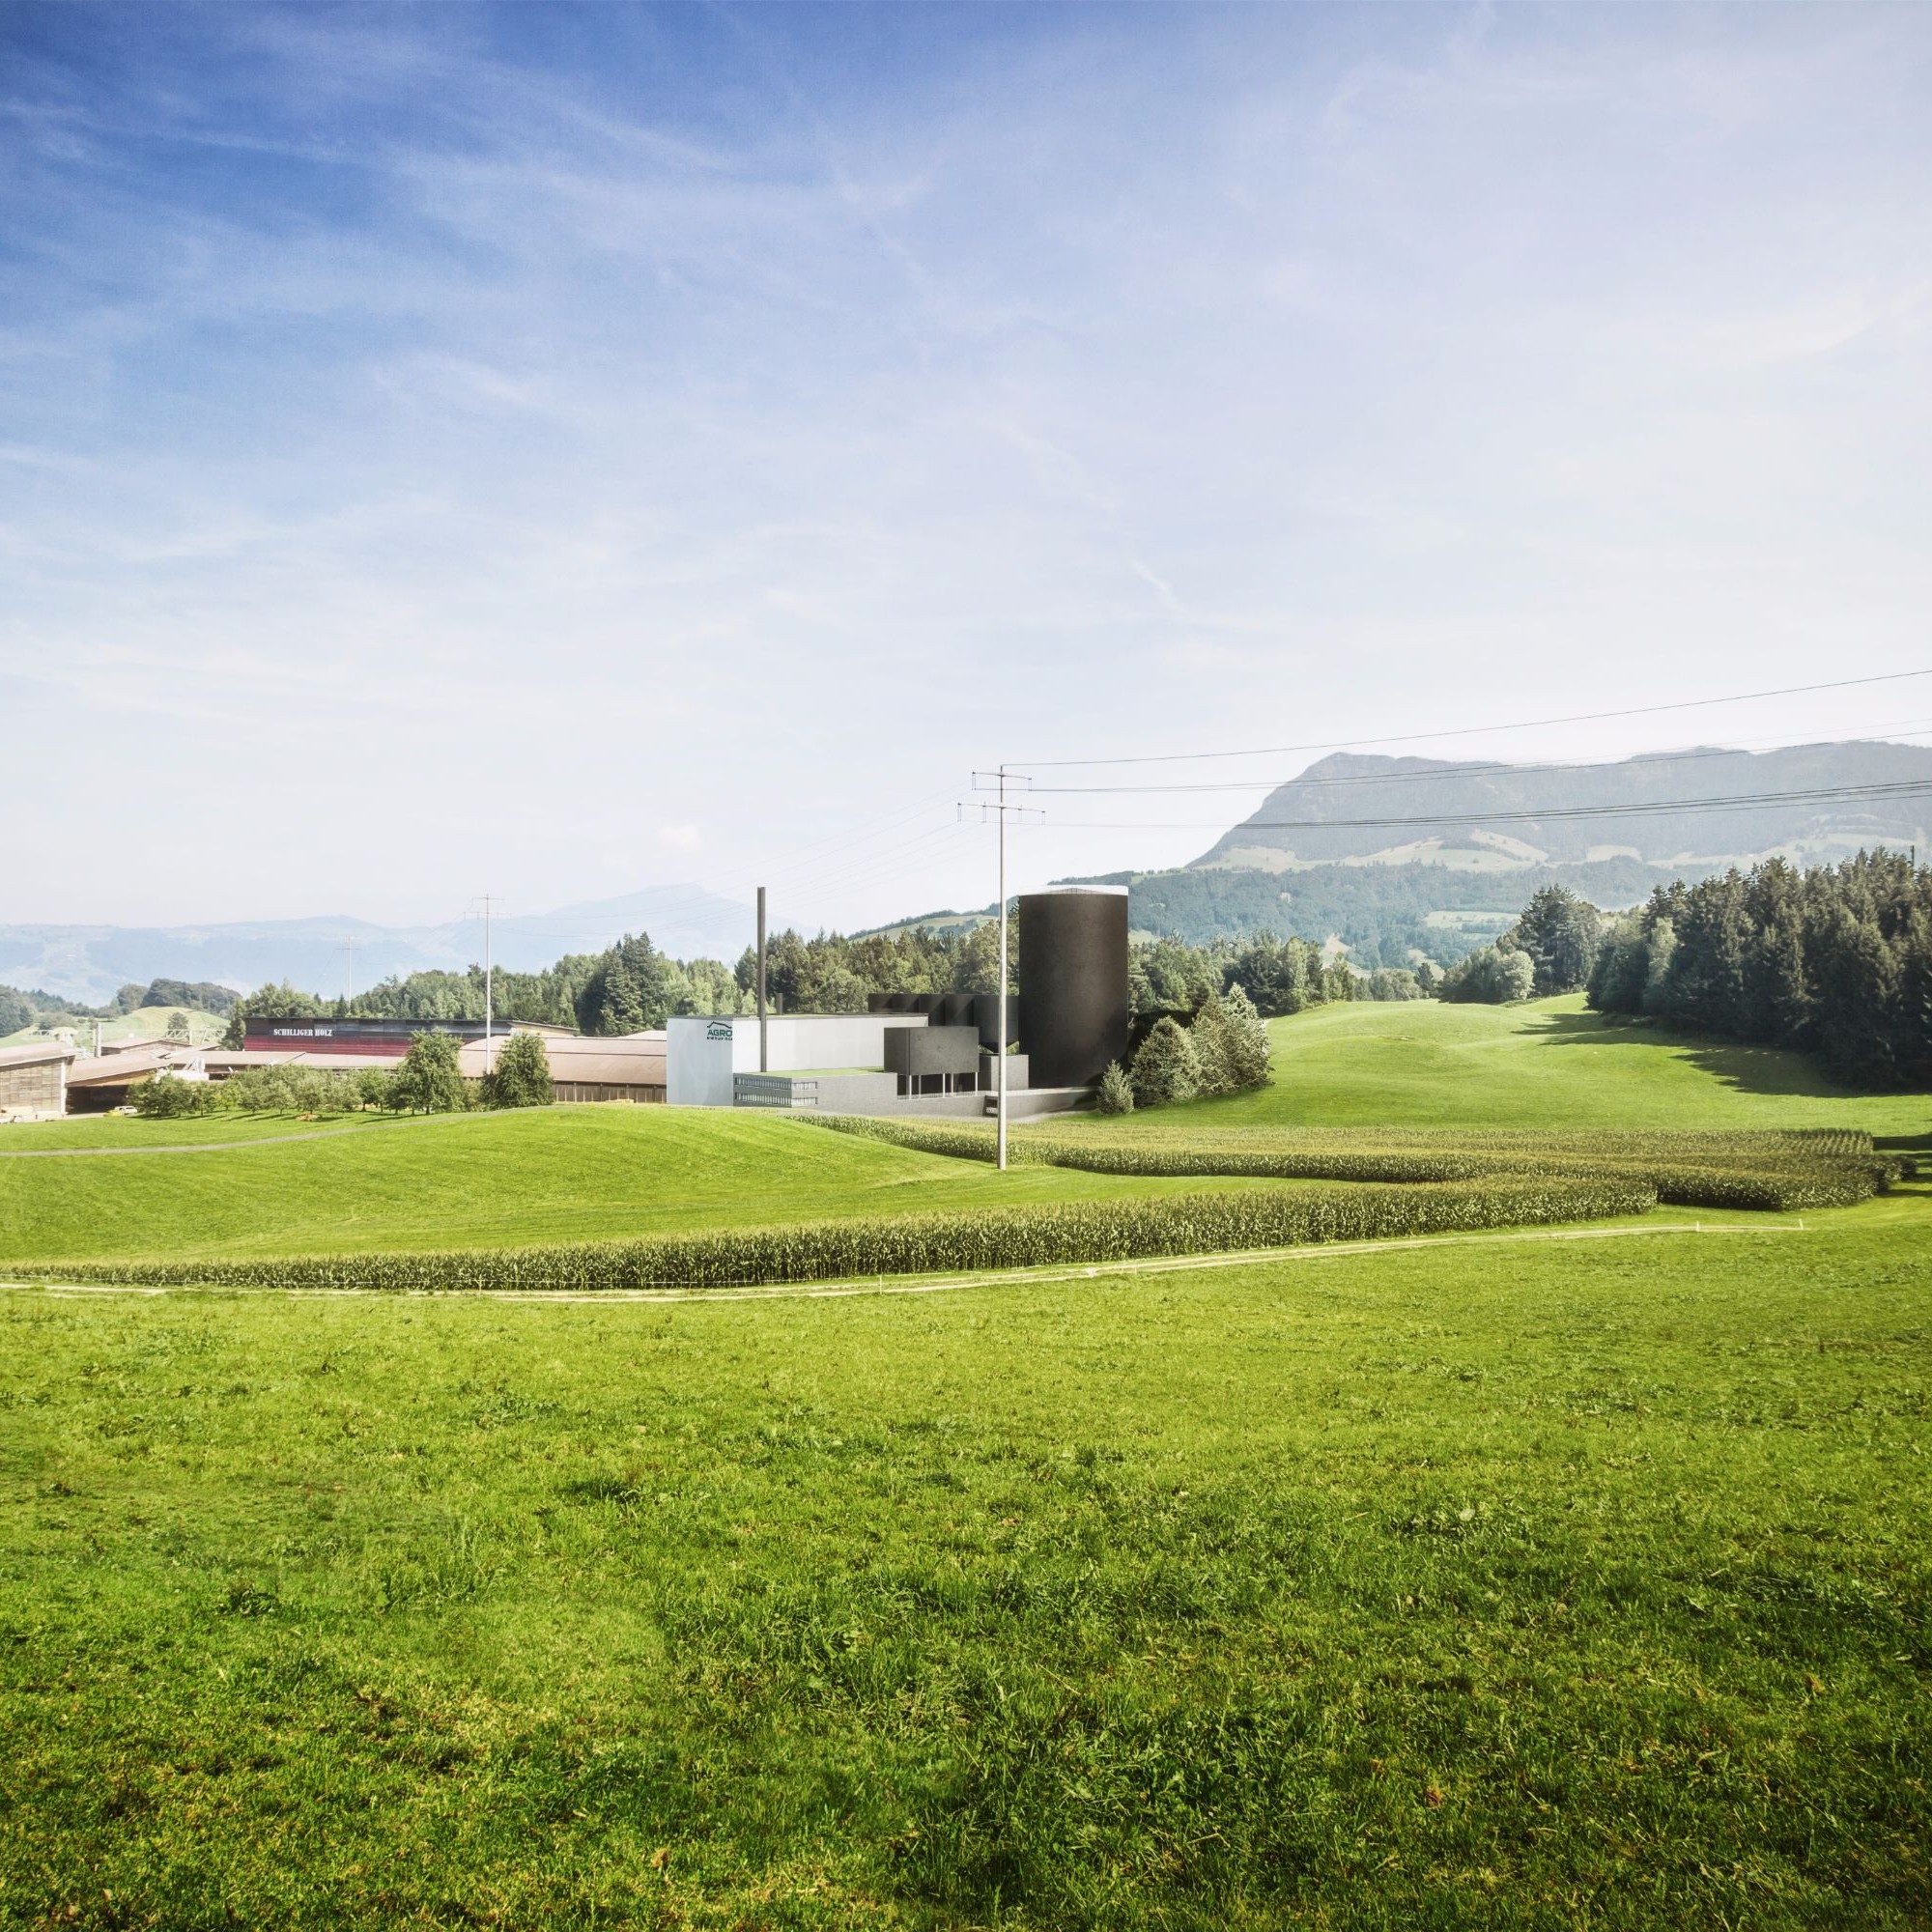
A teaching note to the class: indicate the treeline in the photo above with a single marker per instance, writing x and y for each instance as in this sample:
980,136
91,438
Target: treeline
1550,949
1221,1048
832,973
632,988
1836,960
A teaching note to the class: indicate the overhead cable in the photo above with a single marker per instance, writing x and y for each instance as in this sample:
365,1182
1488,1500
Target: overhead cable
1470,730
1831,794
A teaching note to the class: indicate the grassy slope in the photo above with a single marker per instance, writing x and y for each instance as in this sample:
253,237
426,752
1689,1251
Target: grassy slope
583,1174
144,1023
1549,1063
129,1133
1542,1585
487,1181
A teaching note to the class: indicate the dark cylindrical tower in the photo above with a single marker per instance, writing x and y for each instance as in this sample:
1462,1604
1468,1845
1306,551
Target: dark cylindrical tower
1073,985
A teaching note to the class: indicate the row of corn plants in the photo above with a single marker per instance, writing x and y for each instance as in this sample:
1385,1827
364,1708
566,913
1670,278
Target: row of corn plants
1839,1183
1774,1172
1074,1231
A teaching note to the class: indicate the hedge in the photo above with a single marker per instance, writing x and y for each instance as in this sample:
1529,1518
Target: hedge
1077,1231
1777,1171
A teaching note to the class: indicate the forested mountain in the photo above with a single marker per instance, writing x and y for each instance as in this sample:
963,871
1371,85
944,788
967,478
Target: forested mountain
1401,857
1808,804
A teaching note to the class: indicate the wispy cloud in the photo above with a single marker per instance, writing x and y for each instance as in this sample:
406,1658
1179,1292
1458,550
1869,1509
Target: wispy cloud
427,421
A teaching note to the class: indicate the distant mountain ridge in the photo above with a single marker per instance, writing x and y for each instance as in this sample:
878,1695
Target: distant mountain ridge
1357,810
92,962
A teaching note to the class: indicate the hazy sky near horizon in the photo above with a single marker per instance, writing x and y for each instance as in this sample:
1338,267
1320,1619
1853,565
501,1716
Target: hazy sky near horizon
561,450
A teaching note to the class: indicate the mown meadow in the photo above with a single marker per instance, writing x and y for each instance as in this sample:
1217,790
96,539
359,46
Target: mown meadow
1548,1577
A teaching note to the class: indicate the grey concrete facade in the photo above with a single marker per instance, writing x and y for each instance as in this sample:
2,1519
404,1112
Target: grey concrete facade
877,1096
703,1054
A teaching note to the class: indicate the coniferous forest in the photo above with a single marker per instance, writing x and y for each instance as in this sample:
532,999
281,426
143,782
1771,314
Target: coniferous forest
1835,962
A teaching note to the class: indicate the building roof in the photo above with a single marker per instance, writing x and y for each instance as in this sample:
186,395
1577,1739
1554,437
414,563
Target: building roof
123,1069
35,1052
233,1060
627,1059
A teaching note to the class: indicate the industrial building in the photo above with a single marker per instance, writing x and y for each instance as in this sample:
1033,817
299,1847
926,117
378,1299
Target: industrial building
41,1082
584,1068
934,1053
914,1053
32,1080
381,1038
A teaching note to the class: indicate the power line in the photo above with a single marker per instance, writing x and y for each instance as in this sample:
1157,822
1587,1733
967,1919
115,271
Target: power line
1831,794
1478,731
1457,771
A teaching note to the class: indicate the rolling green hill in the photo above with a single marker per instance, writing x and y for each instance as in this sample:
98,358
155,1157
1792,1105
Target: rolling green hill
492,1180
479,1180
1548,1064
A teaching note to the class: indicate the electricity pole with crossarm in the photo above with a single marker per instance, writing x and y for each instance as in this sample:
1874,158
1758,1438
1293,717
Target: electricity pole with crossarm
1004,808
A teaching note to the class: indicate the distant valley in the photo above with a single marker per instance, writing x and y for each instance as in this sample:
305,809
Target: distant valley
90,962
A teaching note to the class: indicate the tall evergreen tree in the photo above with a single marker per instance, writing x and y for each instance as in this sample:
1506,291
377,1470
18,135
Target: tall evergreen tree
1246,1041
1165,1069
1213,1049
1560,933
1660,957
1860,981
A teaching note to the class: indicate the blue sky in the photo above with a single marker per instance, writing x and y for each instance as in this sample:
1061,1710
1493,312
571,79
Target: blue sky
558,450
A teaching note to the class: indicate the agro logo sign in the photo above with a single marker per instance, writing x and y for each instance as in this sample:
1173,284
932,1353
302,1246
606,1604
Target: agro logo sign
717,1030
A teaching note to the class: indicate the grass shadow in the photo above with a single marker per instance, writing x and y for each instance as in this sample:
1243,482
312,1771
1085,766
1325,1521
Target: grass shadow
1749,1070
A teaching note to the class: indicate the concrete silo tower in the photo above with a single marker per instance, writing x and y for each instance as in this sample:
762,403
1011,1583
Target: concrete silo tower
1072,984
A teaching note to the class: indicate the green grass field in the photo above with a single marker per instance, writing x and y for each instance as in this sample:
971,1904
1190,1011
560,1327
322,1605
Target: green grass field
585,1174
478,1180
1520,1580
1547,1065
1510,1584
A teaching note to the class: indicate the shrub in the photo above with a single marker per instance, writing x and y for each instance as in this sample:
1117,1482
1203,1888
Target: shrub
1779,1170
521,1077
1074,1231
428,1081
1166,1068
1115,1094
